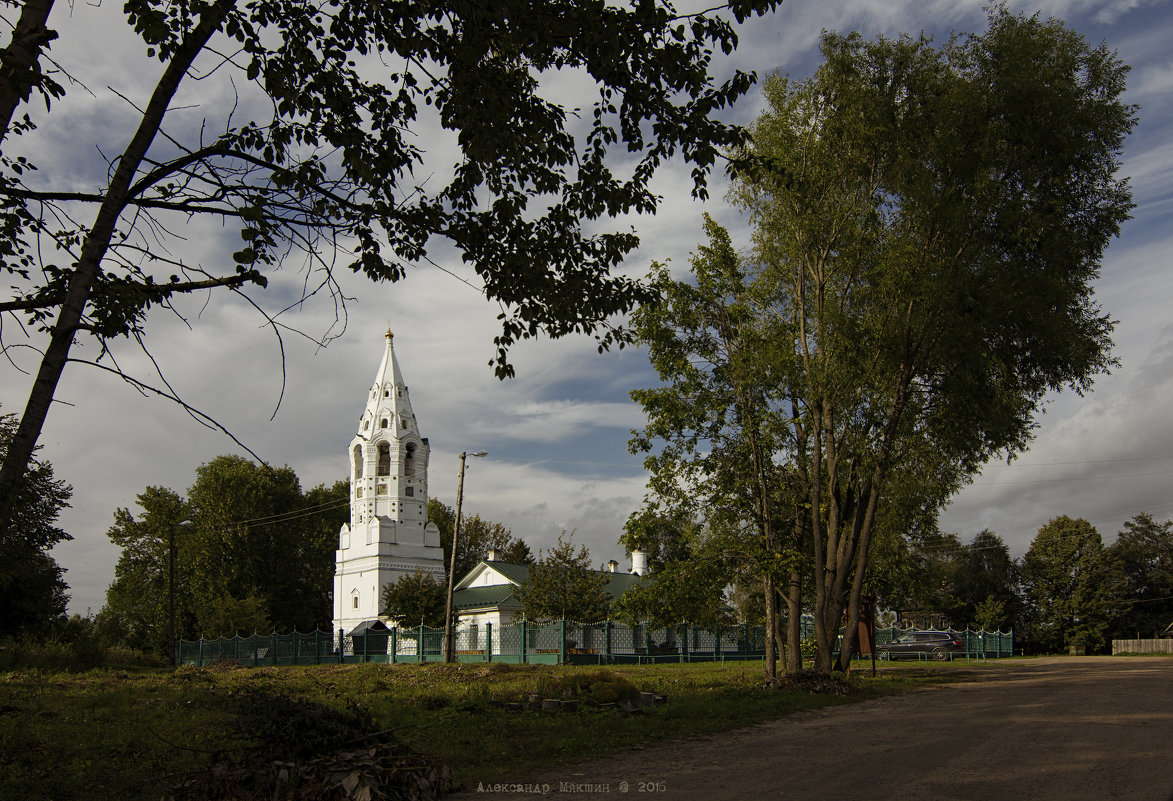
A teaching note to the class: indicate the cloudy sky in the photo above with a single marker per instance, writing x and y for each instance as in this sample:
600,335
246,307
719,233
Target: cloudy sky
556,434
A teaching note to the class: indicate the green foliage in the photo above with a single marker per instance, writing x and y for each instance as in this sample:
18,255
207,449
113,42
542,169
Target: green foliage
416,599
562,586
477,537
1142,557
230,617
258,553
990,615
929,222
974,585
688,575
1069,587
33,592
987,570
809,649
714,426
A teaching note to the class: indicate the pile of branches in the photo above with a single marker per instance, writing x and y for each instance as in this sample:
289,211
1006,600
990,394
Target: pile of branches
308,752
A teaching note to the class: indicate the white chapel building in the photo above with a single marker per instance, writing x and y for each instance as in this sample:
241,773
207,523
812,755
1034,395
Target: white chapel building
389,535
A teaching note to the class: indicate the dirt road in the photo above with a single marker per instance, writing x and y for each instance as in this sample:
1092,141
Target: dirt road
1044,730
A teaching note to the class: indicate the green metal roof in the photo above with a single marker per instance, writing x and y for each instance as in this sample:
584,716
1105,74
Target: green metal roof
496,596
620,583
517,572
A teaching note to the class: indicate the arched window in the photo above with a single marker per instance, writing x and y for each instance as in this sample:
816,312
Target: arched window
384,459
409,460
354,600
358,461
383,423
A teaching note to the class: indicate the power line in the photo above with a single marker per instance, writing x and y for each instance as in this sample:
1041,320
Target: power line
285,517
1063,480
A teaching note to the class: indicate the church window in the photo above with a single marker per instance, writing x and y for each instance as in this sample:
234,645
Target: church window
354,601
358,461
409,491
386,393
399,391
409,460
384,459
358,493
383,423
366,424
382,489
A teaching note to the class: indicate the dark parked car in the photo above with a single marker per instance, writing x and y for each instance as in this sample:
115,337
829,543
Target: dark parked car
939,645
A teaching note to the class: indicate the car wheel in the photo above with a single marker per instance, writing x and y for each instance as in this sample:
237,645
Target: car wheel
941,654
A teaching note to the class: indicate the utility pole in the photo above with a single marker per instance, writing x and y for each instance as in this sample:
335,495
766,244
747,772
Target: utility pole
449,639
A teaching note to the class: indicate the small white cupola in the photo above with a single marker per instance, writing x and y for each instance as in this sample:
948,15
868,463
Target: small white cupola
639,562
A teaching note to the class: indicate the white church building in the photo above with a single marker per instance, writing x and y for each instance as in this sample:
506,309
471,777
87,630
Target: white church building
388,535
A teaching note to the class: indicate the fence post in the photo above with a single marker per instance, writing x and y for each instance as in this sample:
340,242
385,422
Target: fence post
395,645
341,645
488,641
523,644
420,654
296,646
683,642
607,639
562,641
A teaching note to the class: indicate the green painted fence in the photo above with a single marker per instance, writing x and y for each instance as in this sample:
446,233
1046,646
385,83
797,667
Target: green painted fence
561,642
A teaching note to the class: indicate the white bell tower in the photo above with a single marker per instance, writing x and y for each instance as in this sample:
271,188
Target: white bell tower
389,535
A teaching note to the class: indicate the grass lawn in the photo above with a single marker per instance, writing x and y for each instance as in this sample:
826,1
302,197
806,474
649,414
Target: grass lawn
110,734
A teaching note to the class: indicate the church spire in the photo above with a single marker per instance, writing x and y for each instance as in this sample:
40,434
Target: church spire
389,535
388,412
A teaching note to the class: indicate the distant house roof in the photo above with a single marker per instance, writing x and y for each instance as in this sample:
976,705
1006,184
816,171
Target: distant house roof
492,585
619,583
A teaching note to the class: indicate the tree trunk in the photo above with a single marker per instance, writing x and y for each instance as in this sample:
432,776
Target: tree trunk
794,623
93,251
21,59
771,625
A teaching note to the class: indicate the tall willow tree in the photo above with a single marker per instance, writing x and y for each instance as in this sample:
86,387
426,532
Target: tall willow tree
928,224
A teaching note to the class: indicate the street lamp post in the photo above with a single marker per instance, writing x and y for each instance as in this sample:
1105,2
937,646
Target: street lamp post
449,650
171,652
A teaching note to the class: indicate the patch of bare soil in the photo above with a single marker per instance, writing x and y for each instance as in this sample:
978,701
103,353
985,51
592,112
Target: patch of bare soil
1050,729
